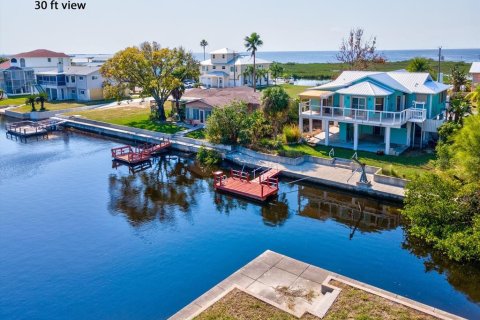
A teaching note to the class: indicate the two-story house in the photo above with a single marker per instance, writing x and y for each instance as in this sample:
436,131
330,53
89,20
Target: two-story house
227,68
82,83
475,72
375,111
17,75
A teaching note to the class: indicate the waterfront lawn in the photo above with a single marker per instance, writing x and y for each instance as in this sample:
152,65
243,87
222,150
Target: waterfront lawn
408,165
293,90
351,303
56,105
14,101
131,116
197,134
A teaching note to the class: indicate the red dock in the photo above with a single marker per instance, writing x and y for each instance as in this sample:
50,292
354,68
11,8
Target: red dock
259,188
134,155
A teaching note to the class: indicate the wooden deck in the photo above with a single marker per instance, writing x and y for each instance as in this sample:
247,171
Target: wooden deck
134,155
27,129
239,183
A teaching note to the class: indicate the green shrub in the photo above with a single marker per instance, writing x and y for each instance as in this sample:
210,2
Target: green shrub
208,157
290,153
269,143
291,133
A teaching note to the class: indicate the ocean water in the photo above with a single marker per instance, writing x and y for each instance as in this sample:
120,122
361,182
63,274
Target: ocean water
466,55
80,239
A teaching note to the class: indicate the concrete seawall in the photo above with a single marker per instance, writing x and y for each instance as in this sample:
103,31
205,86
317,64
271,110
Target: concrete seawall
337,173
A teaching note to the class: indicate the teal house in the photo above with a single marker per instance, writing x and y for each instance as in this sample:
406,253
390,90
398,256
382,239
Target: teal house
374,111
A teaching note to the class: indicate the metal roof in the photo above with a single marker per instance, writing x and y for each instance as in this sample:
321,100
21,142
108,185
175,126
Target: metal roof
315,94
475,68
73,70
366,88
222,51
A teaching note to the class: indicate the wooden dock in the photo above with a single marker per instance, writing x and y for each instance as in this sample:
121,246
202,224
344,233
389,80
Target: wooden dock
258,188
26,129
134,155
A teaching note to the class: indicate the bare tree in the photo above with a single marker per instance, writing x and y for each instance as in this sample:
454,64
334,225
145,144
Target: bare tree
358,53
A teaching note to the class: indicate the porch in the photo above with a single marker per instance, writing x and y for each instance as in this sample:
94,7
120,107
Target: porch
215,79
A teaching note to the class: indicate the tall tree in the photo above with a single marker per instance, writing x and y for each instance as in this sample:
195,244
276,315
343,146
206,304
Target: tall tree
158,71
203,44
276,70
419,64
177,94
252,43
358,53
459,77
275,102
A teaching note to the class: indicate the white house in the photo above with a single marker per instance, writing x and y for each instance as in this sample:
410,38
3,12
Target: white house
226,68
72,83
40,60
475,72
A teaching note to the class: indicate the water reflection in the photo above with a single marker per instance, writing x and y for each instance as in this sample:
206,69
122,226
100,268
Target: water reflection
156,194
358,213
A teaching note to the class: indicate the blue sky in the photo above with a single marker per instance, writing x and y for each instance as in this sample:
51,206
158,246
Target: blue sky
107,26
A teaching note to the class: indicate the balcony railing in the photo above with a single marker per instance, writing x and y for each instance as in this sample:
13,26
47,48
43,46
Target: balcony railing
362,116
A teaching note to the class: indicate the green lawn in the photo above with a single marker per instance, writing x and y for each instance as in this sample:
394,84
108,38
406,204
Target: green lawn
293,90
330,70
16,101
407,165
137,117
197,134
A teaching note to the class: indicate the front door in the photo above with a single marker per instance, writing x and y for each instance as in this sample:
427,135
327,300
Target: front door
349,132
379,103
202,116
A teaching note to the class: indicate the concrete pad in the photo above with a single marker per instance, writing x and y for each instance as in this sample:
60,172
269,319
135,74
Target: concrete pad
255,269
269,257
238,279
315,274
307,285
186,312
265,292
277,277
205,298
291,265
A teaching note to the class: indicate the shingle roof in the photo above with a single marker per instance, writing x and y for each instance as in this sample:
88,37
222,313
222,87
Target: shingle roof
224,96
475,68
5,64
41,53
73,70
366,88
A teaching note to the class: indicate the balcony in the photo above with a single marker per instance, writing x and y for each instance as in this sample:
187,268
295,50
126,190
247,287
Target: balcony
360,116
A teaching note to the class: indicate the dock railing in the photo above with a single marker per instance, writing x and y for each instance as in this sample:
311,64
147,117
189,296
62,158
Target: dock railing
237,174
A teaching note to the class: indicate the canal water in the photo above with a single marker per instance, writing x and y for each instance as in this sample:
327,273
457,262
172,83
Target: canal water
82,240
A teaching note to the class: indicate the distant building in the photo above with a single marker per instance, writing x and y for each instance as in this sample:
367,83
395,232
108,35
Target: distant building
199,103
226,68
17,75
475,72
72,83
376,111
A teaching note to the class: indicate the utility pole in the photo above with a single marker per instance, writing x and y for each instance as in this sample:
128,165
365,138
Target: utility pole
439,61
234,69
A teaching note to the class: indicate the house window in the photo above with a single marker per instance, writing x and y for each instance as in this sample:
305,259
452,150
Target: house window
223,67
379,104
399,103
13,60
223,56
196,114
68,79
80,78
231,69
49,59
73,79
73,91
203,68
359,103
94,77
443,96
22,63
213,56
82,91
214,67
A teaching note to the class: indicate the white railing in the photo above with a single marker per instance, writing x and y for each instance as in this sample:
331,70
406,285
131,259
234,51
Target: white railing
361,115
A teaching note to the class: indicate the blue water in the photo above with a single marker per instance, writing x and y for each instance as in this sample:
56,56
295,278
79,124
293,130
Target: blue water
82,240
466,55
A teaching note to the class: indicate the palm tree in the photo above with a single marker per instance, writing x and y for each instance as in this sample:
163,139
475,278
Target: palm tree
42,98
252,43
419,64
458,109
262,74
276,70
31,100
2,93
177,94
203,44
474,96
